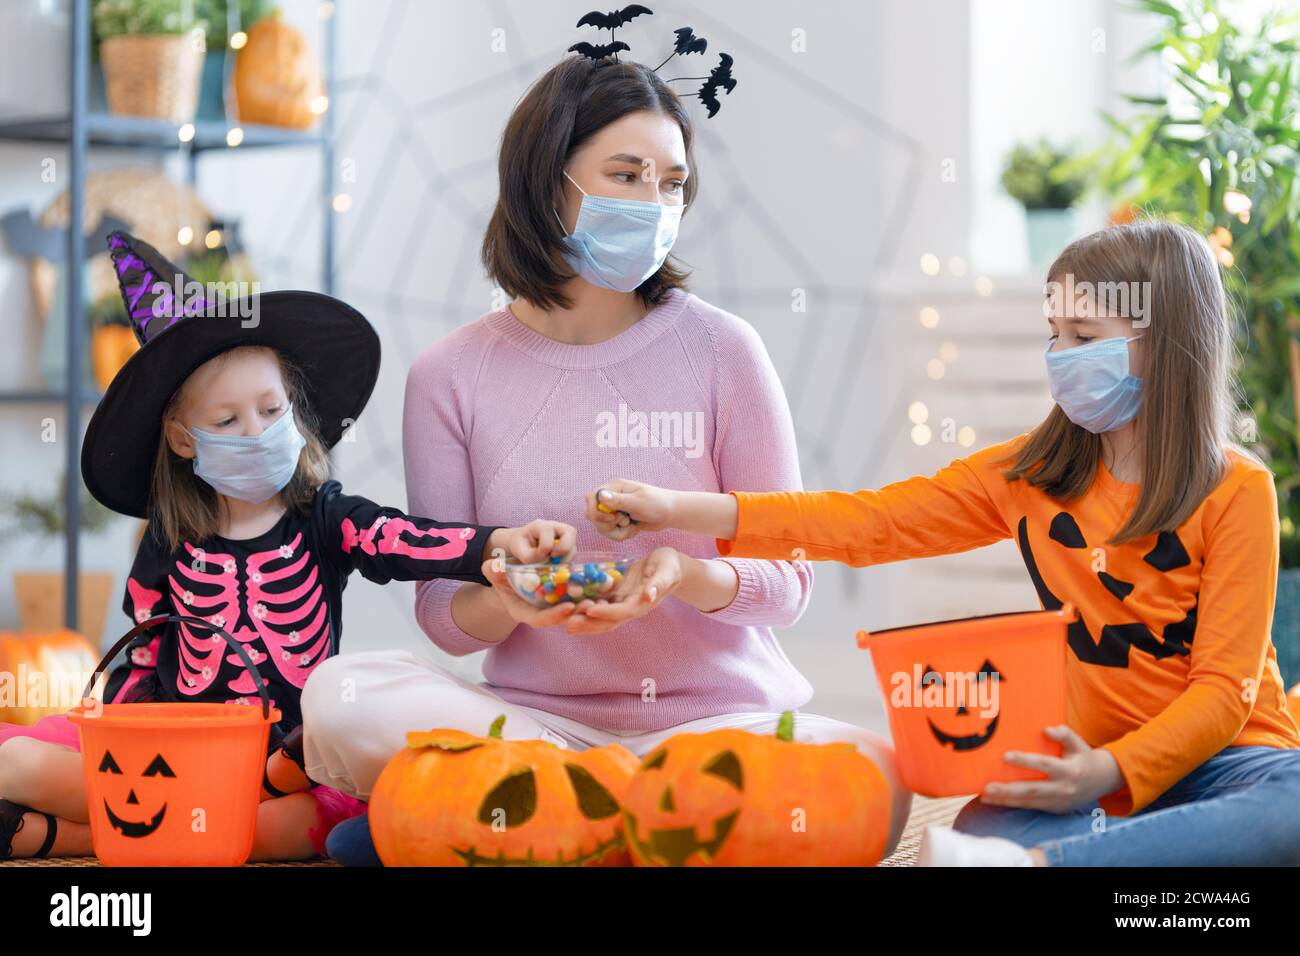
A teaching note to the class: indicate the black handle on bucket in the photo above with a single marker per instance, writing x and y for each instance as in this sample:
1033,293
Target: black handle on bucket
153,622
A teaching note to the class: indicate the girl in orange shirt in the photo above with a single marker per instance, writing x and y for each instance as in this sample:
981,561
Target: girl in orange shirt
1130,502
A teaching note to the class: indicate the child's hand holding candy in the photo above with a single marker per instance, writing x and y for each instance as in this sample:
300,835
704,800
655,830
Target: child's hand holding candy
530,544
621,508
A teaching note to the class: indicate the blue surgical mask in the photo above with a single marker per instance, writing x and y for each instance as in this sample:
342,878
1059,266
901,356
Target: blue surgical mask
619,243
251,468
1093,386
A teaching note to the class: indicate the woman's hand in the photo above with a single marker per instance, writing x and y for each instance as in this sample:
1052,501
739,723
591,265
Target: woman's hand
620,508
533,542
494,569
1075,779
642,589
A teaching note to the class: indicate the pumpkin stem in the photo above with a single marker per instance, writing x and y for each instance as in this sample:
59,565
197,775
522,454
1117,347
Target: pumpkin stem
785,726
495,730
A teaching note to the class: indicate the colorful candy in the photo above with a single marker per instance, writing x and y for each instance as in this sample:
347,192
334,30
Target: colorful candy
561,579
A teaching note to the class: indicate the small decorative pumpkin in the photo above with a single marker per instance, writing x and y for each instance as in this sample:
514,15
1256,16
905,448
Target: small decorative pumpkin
454,799
110,347
42,674
276,76
734,798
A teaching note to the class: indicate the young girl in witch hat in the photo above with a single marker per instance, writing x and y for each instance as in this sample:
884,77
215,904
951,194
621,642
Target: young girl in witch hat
217,432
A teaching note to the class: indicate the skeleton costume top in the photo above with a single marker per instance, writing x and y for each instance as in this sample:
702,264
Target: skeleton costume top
280,594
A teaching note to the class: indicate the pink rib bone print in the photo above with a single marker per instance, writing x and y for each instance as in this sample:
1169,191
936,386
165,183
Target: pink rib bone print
200,653
292,623
455,540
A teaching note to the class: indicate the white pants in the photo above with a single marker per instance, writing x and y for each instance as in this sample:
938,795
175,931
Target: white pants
357,709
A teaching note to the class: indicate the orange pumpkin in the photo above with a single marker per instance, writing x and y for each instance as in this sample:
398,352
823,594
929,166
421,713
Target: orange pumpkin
733,798
42,674
276,76
110,347
454,799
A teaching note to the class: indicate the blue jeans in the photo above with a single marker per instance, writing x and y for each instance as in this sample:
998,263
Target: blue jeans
1239,808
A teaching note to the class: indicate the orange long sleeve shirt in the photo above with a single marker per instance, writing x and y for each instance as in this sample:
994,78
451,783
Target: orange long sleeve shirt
1171,659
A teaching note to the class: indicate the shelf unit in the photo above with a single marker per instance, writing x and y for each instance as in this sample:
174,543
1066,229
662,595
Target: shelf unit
81,130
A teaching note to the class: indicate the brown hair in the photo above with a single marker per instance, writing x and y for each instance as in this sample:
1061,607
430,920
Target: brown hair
1187,382
183,507
523,246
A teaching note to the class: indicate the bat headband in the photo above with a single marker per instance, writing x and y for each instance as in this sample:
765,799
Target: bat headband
687,42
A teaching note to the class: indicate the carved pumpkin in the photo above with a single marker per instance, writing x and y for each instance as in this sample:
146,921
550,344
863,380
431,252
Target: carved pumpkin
55,663
110,347
733,798
276,76
454,799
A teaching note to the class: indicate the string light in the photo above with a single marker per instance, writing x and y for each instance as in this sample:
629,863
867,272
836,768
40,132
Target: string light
319,105
948,352
929,316
935,368
234,136
921,434
185,133
918,413
965,436
342,202
984,286
213,239
930,264
185,236
238,39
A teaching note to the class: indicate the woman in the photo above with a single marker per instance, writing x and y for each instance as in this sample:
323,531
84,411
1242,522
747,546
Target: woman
602,364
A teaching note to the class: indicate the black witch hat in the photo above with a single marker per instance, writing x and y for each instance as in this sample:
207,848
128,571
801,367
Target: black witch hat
181,324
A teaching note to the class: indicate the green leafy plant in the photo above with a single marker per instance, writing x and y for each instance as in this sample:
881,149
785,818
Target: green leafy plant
1042,176
1221,153
214,13
37,515
112,18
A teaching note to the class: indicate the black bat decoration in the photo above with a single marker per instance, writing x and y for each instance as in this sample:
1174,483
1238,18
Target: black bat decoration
24,236
687,42
598,52
614,19
720,76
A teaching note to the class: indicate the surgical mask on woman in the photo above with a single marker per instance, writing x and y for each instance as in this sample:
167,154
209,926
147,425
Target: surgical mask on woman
619,243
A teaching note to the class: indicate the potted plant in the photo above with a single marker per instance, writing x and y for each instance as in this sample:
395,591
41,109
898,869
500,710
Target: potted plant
152,55
1047,182
40,593
1222,154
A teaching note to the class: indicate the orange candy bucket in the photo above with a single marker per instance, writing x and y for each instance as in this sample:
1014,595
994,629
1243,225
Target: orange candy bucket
960,694
174,784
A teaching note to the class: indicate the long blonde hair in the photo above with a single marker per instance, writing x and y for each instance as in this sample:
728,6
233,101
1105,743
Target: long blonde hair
1187,381
183,507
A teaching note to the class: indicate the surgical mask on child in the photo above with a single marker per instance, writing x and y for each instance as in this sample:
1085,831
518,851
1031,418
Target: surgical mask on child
251,468
1093,386
619,243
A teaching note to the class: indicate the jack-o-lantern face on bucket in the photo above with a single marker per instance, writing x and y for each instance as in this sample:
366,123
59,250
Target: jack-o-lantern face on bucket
125,821
735,798
454,799
967,700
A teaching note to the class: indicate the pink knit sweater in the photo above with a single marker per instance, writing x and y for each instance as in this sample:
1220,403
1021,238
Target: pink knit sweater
503,425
